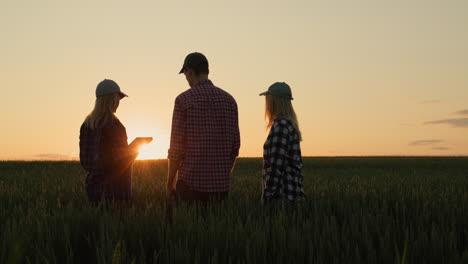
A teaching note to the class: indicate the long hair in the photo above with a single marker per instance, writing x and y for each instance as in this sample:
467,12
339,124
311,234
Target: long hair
278,107
103,112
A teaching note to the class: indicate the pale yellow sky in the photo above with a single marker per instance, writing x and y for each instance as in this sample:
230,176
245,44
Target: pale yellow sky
366,76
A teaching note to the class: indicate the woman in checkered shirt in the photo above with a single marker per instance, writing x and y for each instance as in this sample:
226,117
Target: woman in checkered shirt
104,151
283,182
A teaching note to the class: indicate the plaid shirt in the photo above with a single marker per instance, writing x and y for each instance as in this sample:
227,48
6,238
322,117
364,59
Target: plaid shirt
205,137
105,155
89,150
282,163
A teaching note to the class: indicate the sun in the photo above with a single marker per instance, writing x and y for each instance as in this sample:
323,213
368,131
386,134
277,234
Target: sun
153,150
157,149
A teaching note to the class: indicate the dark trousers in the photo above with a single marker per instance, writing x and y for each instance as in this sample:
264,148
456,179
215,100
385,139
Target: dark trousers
279,204
200,200
184,193
109,187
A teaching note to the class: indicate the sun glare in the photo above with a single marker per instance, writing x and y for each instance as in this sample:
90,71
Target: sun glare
152,151
157,149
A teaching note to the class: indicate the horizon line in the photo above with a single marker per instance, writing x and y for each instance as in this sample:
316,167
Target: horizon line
260,157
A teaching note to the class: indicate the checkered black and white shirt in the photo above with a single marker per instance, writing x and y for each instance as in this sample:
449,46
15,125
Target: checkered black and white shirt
205,137
282,164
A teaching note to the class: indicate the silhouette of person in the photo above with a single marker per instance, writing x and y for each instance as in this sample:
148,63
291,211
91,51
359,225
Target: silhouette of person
283,183
205,137
104,152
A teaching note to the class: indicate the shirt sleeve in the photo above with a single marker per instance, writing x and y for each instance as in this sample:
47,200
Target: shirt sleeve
83,149
276,157
178,132
235,133
116,154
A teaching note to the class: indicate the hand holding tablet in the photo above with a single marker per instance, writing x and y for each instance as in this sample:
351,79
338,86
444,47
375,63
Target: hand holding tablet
139,141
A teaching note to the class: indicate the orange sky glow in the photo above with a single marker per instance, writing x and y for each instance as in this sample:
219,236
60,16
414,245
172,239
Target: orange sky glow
368,77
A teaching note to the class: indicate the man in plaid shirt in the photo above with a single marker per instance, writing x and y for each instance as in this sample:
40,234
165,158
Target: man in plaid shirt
205,137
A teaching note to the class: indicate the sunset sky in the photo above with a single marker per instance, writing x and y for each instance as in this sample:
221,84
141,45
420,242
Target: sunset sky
368,77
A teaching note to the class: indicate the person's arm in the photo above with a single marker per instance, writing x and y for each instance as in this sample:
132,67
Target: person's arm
236,137
177,148
173,167
233,164
84,152
116,154
278,147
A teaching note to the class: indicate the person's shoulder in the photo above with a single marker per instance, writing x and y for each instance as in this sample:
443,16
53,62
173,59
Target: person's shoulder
86,133
113,123
229,97
116,122
226,95
83,126
84,129
185,95
284,124
222,91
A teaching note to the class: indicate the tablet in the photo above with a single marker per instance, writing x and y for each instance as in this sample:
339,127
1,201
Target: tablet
140,141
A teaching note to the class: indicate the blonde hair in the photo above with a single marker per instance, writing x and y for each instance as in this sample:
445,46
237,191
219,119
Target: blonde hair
278,107
103,112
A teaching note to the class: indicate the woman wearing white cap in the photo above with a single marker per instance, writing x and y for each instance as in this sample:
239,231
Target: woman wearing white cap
282,161
104,151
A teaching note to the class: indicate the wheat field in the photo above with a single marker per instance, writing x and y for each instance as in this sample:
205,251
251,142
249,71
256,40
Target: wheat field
358,210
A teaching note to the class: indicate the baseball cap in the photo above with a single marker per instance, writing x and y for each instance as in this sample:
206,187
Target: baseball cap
280,89
108,87
196,61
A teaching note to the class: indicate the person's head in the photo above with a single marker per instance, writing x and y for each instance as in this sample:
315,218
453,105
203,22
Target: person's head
195,68
278,105
108,97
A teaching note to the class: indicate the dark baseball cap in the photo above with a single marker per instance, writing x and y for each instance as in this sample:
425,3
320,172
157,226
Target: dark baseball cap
280,89
196,61
108,87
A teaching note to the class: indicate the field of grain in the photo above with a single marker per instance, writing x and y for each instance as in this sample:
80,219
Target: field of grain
359,210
